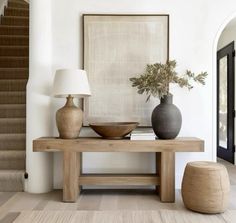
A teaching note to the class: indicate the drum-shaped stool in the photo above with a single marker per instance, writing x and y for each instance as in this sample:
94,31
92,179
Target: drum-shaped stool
206,187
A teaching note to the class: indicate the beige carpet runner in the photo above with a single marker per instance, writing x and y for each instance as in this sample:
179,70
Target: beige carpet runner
14,68
160,216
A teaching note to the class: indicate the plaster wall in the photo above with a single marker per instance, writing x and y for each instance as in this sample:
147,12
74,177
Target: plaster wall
195,27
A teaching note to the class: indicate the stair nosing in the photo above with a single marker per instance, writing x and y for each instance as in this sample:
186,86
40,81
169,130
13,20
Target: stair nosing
12,119
22,3
15,36
19,154
18,172
12,92
17,80
7,26
15,8
19,5
12,134
13,57
13,150
15,17
12,104
14,46
15,1
12,68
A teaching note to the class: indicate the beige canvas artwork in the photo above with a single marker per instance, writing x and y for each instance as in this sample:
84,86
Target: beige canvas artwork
117,47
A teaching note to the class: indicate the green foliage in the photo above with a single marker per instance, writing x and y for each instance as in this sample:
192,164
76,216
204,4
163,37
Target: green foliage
157,78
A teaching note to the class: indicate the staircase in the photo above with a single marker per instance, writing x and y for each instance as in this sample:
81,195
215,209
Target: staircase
14,68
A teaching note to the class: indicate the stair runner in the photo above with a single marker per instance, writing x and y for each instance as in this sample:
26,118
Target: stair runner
14,64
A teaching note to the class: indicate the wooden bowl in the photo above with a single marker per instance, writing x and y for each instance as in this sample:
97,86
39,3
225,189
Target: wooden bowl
113,130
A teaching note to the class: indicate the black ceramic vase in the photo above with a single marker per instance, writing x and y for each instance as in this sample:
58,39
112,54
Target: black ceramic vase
166,119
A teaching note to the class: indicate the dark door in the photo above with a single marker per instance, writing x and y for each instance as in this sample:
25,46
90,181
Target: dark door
225,102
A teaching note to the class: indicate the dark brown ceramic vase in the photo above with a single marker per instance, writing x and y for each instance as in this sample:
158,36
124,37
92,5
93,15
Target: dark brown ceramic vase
166,119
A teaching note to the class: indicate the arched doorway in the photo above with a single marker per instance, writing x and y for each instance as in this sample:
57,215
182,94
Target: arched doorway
224,91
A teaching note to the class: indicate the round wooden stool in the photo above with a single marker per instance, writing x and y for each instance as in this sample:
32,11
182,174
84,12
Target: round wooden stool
205,187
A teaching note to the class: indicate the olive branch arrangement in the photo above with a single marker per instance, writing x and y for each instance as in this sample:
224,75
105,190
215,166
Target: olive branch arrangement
156,79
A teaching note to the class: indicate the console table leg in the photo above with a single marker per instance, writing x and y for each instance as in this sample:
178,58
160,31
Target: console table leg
166,170
71,171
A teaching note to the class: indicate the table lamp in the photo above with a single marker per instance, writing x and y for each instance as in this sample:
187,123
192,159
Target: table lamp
70,83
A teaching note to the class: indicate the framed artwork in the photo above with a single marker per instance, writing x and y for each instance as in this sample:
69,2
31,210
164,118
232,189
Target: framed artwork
117,47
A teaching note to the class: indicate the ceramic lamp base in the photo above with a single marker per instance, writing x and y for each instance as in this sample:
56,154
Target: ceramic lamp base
69,120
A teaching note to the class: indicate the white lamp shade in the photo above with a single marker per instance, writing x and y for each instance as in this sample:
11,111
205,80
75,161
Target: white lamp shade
71,82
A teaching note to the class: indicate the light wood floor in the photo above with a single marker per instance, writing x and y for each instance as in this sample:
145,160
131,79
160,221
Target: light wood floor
11,204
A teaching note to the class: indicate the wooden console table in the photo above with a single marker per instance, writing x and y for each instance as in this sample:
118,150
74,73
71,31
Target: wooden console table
165,150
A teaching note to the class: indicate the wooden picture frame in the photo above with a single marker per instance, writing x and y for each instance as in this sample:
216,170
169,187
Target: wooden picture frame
115,48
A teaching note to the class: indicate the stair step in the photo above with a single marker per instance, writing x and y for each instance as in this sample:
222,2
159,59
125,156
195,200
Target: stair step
15,4
16,12
11,180
13,85
14,51
12,125
14,30
12,111
21,1
14,62
12,160
15,21
12,97
14,73
14,40
11,154
12,141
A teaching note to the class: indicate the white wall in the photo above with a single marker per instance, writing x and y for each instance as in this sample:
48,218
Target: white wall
39,115
194,28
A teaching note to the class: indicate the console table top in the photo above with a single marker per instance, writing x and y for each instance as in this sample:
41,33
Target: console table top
97,144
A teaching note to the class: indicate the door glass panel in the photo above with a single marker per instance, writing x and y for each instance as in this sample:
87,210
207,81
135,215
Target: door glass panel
223,71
